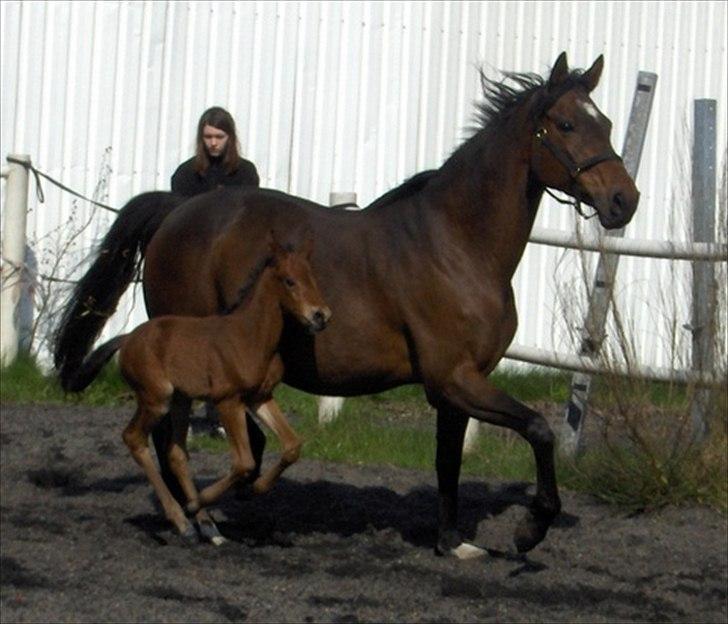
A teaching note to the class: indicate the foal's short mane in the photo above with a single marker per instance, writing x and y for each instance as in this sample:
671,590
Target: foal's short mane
247,288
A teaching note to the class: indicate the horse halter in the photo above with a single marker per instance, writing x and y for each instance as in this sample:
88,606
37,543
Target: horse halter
575,169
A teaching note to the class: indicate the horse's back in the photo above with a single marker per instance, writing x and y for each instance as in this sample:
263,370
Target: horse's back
204,251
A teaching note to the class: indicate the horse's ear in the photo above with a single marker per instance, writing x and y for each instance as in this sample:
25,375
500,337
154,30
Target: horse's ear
590,78
560,72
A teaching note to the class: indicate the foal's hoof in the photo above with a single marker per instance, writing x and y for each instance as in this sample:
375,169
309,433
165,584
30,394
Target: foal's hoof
531,530
189,535
210,533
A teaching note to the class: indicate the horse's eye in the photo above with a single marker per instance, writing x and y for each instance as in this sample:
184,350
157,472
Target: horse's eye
289,282
565,126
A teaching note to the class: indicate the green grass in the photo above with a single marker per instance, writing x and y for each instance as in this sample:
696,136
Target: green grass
23,382
397,427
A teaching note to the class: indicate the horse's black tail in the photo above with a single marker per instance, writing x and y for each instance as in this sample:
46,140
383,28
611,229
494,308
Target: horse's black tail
95,297
92,365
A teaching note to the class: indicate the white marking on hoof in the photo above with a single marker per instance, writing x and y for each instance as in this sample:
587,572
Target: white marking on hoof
217,540
468,551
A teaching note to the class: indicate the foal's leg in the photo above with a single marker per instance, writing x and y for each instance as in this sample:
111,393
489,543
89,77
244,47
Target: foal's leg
136,438
468,392
232,417
162,437
179,465
276,420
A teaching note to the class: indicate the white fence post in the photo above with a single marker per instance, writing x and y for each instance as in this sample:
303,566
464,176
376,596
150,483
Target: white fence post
704,306
329,407
593,335
13,257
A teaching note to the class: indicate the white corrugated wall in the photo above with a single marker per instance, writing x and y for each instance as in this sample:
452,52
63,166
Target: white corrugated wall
349,96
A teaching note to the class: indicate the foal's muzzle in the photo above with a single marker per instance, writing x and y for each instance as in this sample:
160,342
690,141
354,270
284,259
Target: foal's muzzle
318,320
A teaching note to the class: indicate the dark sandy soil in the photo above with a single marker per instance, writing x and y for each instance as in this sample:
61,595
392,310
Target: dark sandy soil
82,540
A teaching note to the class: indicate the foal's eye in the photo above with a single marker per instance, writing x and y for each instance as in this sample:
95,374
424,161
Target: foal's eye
565,126
289,282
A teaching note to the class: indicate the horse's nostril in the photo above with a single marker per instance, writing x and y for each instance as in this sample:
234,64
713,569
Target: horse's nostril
618,200
319,318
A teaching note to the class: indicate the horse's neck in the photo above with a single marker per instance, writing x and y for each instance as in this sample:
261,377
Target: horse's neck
490,197
259,320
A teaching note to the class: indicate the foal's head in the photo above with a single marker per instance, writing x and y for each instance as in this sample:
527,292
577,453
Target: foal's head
299,294
571,147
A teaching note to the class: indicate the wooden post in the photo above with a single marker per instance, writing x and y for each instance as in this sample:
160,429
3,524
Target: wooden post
593,332
13,261
704,288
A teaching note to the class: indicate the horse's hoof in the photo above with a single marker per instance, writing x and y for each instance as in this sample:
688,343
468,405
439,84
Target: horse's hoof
210,533
462,551
468,551
530,532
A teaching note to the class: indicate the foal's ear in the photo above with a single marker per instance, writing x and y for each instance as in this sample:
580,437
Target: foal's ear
560,72
274,246
307,247
590,78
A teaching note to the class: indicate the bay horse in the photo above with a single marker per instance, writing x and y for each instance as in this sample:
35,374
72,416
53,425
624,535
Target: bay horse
420,280
231,360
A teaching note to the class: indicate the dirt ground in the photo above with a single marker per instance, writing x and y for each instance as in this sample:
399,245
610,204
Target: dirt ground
82,540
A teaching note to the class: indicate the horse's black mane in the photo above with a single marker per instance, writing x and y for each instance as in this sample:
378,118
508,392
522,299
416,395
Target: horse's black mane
251,281
409,187
501,98
504,96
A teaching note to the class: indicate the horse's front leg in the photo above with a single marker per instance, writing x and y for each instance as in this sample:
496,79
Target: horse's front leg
450,434
275,419
468,392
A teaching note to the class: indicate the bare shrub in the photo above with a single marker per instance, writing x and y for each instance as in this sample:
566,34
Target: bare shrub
642,447
52,261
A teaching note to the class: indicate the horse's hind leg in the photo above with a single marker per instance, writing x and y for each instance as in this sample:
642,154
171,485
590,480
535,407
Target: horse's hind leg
276,420
136,437
233,419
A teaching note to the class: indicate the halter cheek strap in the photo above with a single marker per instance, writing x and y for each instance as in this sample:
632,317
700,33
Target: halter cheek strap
574,168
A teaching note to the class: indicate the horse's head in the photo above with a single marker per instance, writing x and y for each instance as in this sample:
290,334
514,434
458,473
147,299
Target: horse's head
571,148
300,295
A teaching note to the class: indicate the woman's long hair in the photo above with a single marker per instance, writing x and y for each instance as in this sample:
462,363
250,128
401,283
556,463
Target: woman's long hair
222,120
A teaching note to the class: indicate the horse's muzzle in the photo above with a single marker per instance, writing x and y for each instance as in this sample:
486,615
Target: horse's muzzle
616,210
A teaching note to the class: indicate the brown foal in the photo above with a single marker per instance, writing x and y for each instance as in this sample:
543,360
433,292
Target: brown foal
231,360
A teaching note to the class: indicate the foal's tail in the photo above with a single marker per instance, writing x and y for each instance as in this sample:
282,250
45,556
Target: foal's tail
89,369
95,297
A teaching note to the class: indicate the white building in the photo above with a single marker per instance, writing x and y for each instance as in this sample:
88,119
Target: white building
350,96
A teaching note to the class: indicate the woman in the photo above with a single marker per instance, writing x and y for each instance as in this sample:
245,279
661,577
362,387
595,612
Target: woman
217,161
